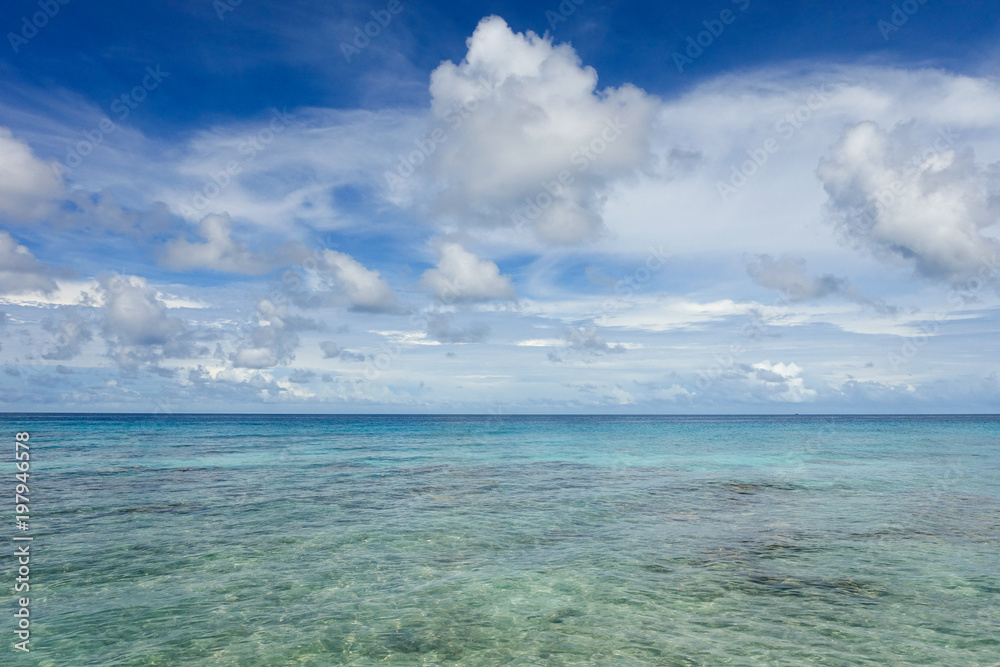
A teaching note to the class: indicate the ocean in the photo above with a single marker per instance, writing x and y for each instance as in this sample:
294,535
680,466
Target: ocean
507,540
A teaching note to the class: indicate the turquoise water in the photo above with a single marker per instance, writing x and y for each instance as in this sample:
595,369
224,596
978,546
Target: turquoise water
232,540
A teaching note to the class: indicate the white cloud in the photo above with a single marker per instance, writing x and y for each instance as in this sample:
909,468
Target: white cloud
365,289
135,315
927,207
784,379
516,113
287,182
310,180
673,393
327,278
137,327
273,339
219,252
27,185
778,208
619,396
462,276
20,272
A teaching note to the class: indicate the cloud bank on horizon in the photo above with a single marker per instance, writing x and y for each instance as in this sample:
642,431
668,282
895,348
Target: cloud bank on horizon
474,215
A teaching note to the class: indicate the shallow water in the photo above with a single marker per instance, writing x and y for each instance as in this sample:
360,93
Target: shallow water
233,540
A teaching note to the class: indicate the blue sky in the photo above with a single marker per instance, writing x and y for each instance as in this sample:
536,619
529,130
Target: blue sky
733,207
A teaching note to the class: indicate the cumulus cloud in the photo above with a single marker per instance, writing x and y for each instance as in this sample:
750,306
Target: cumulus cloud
331,278
365,289
619,396
218,252
20,272
462,276
516,114
137,327
926,207
274,337
27,185
783,380
788,276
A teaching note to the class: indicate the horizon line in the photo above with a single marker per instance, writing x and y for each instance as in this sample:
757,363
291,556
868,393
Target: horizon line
514,414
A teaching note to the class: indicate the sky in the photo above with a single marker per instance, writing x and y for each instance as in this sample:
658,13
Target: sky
738,206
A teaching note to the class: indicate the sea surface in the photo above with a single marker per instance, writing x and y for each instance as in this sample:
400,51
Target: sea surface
507,540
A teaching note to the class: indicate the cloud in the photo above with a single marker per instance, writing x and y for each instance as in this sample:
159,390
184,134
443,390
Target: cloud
461,276
20,272
330,349
27,185
673,393
619,396
70,334
783,380
788,276
365,289
301,376
331,278
218,252
137,327
333,351
102,212
516,113
586,339
440,327
929,208
273,340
